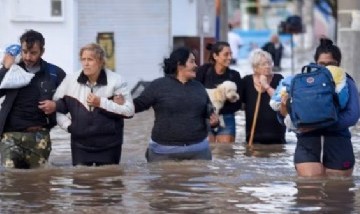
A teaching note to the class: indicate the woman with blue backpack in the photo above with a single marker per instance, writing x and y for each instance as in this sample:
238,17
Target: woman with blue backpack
328,151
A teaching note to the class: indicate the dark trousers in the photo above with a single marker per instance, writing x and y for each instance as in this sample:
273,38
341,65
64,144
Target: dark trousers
108,156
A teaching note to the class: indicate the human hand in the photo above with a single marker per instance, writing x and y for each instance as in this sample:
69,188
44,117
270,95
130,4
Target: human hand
47,106
283,105
119,99
264,81
8,60
214,120
93,100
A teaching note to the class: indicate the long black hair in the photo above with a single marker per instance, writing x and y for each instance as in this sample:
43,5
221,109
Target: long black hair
216,49
179,56
326,46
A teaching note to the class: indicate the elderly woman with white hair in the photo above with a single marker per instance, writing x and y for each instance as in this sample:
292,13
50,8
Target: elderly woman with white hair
261,85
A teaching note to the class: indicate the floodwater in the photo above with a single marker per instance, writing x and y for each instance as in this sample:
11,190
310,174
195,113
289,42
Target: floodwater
238,180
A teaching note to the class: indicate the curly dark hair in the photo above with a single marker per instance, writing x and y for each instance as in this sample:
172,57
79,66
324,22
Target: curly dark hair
30,37
179,56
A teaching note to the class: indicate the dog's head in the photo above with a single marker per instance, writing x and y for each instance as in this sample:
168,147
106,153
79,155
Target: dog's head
229,89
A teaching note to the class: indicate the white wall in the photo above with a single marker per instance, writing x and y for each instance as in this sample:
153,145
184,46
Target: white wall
141,30
184,17
59,38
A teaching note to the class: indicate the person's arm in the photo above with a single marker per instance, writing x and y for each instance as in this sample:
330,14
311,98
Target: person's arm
63,120
49,106
127,108
6,63
349,116
146,99
3,71
266,85
275,99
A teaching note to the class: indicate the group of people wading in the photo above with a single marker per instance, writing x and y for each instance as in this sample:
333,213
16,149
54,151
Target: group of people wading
92,103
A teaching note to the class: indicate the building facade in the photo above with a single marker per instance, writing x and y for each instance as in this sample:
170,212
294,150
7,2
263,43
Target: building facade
136,35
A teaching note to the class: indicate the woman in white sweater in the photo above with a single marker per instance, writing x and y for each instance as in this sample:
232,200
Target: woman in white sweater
85,106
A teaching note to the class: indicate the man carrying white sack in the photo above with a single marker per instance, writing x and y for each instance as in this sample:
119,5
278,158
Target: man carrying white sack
25,119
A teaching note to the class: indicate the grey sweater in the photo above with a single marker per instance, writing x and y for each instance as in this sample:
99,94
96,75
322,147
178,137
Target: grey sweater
180,110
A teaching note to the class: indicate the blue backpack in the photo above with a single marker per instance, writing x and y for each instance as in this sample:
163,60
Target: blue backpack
313,100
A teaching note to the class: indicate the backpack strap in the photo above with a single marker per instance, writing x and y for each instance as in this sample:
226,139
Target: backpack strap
350,77
53,73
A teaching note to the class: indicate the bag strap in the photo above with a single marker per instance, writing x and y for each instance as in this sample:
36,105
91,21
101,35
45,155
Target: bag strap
310,68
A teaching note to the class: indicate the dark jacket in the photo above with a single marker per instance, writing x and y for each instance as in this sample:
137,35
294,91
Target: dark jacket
276,53
180,111
11,94
207,75
267,130
93,128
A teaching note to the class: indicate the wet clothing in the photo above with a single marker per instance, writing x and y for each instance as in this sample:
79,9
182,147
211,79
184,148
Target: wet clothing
20,108
337,151
108,156
20,114
268,130
336,139
199,155
180,110
229,128
207,75
181,113
158,152
24,150
96,132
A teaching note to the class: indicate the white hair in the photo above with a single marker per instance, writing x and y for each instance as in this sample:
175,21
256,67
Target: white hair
257,54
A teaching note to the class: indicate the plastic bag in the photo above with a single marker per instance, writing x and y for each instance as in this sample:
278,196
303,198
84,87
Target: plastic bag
13,50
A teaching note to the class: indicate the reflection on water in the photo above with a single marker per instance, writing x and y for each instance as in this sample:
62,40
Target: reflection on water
330,196
239,179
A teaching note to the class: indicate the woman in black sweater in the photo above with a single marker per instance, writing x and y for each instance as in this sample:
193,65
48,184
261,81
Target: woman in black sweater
268,130
181,111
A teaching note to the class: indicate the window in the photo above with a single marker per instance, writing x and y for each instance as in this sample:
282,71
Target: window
37,10
56,9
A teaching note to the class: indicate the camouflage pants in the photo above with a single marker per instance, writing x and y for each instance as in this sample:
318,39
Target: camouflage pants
25,150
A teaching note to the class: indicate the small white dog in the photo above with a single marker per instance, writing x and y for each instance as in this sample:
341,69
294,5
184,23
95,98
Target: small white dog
226,91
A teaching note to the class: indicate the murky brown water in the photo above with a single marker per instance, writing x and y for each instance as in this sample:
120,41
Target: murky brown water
237,180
